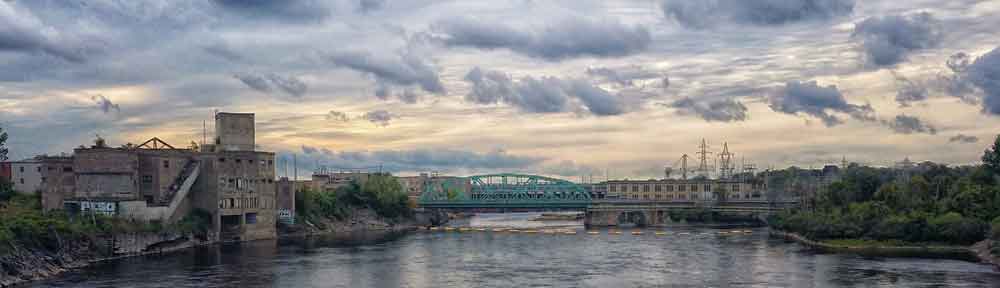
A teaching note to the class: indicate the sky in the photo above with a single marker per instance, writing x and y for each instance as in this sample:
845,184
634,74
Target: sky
560,88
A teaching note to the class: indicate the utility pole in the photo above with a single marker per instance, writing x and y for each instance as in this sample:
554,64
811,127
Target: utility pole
684,166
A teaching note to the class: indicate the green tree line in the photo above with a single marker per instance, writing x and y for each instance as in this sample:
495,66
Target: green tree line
380,192
927,203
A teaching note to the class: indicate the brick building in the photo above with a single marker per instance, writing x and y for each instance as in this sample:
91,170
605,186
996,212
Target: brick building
155,181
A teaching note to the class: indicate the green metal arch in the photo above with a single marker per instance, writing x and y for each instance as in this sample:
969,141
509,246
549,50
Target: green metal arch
505,190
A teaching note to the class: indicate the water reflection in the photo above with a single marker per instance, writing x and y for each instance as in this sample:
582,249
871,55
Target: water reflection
686,257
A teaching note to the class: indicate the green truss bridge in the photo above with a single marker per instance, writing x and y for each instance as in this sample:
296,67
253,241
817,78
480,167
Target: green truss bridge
505,191
508,192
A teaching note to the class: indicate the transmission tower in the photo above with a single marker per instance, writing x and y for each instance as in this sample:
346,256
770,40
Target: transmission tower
703,168
726,165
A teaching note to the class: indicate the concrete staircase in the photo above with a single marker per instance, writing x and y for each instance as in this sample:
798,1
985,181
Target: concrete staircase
171,207
182,184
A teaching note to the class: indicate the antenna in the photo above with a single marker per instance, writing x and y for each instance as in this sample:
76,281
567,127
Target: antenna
295,166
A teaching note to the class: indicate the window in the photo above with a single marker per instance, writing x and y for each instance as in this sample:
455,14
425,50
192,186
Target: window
670,188
270,162
22,180
694,188
147,179
736,187
614,188
38,169
43,179
659,188
166,163
681,188
22,169
708,187
645,188
67,169
635,188
222,160
238,160
251,161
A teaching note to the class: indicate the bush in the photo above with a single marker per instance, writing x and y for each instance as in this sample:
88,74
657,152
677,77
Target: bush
953,228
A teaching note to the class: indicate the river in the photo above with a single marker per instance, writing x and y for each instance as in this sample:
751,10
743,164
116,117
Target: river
683,257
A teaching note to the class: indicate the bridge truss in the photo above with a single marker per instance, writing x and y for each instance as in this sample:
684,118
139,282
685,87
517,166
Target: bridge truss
504,191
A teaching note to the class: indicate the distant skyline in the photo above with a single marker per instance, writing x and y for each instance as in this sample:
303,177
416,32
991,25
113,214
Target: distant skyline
558,88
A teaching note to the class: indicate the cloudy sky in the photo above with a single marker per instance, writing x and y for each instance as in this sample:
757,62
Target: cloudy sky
561,88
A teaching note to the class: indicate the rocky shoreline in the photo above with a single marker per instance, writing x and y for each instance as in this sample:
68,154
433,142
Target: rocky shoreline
22,265
978,252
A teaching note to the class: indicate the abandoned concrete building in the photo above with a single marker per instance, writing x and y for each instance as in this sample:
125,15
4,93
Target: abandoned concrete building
154,181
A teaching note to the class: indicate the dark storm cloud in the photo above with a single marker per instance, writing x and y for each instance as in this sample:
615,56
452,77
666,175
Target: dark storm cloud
706,14
540,95
420,159
105,104
309,149
908,91
888,39
268,82
404,69
409,96
379,117
337,116
571,38
811,99
489,87
985,74
22,31
626,76
254,81
724,110
962,138
904,124
365,6
597,100
224,51
957,84
287,10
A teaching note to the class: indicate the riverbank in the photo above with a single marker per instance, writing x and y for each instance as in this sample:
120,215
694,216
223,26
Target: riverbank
360,220
21,264
874,248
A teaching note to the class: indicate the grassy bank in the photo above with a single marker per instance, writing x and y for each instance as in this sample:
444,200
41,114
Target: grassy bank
890,248
24,224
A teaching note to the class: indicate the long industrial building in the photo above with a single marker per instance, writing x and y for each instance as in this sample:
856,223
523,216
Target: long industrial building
156,182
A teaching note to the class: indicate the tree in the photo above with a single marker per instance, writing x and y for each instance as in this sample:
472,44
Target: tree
3,145
991,157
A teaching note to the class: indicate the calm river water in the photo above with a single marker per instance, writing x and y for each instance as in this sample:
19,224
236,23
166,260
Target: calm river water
684,257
